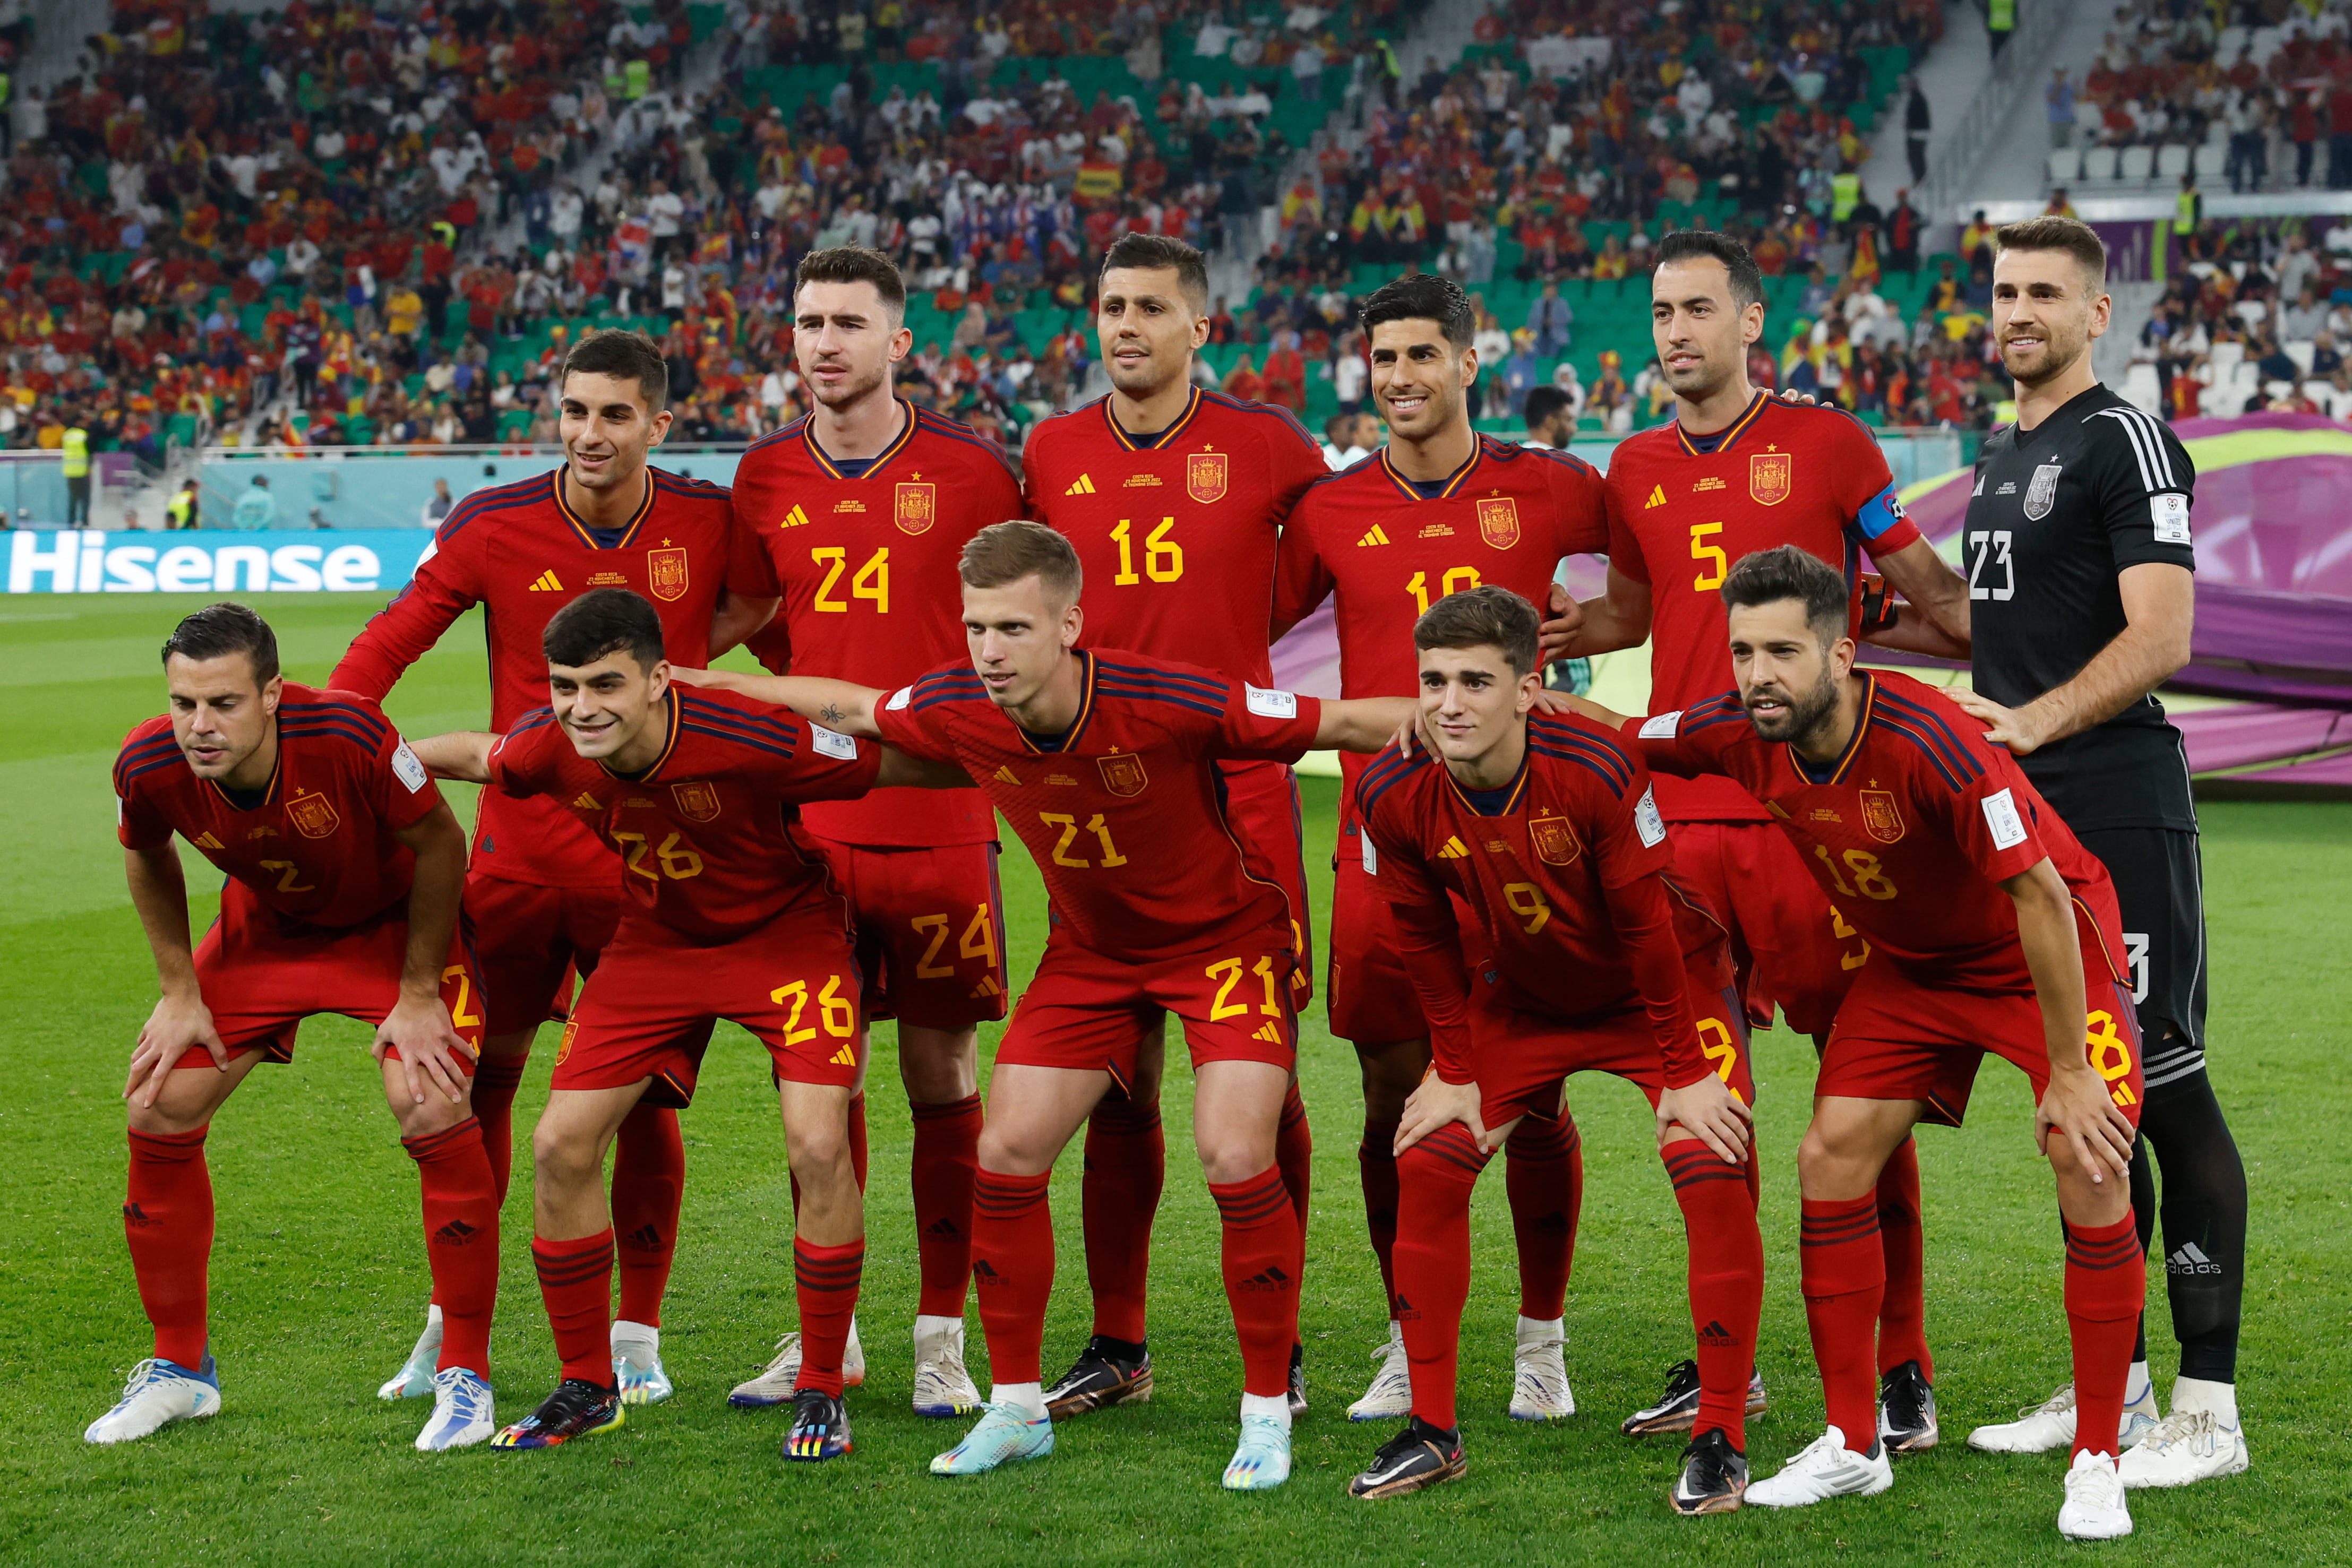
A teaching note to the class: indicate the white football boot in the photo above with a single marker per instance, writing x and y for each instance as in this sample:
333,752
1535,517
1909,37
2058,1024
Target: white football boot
2095,1508
1540,1390
461,1413
2051,1424
1390,1398
157,1393
776,1381
943,1387
1824,1468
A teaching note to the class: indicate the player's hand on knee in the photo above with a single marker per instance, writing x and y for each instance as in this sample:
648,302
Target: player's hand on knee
430,1046
1709,1112
176,1026
1434,1105
2077,1107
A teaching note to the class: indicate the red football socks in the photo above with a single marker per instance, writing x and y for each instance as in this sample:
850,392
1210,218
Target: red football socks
1262,1256
1376,1166
1013,1270
2106,1285
1433,1262
1903,1315
1725,1275
1845,1275
825,1280
1125,1165
461,1239
1294,1153
496,1079
167,1218
1543,1174
648,1184
575,1281
947,1151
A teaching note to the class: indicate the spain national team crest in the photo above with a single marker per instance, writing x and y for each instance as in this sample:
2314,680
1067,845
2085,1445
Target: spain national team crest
917,509
313,815
1122,773
666,573
1881,816
564,1046
1771,476
1204,476
2043,493
698,800
1554,840
1498,521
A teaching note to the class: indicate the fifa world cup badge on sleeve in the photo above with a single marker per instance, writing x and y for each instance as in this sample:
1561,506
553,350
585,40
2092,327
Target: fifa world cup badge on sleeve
1122,773
917,508
1880,816
1646,820
698,801
1498,521
1554,840
1771,476
666,574
1204,475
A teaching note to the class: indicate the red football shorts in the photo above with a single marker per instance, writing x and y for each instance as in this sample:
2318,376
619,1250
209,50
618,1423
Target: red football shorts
527,936
1901,1038
1791,945
1371,1000
1521,1056
1088,1012
262,974
1262,805
648,1011
929,930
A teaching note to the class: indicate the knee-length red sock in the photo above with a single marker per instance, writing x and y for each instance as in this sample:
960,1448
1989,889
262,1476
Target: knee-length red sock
575,1281
1294,1153
461,1239
2107,1286
648,1190
1126,1167
947,1153
825,1279
1262,1254
167,1218
1433,1262
1725,1276
1903,1313
1543,1174
496,1081
1844,1274
1013,1270
1376,1167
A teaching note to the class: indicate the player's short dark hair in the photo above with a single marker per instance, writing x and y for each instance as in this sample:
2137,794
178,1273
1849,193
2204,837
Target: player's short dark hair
1482,617
1689,244
1163,253
1543,405
625,356
856,264
1003,553
219,630
1785,572
1421,296
2073,235
600,621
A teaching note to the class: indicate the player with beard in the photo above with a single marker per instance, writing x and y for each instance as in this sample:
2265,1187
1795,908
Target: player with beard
1439,510
1739,471
855,514
2081,572
1175,499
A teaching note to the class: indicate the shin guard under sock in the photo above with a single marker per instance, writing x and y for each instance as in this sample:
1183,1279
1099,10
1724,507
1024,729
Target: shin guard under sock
1261,1256
1433,1262
1011,1270
1844,1274
1903,1311
496,1080
1126,1167
2106,1285
1543,1176
649,1187
947,1153
825,1280
1294,1153
575,1281
167,1218
461,1239
1725,1274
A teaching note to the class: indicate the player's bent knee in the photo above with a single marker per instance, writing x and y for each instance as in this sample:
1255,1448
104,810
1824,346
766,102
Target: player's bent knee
938,1066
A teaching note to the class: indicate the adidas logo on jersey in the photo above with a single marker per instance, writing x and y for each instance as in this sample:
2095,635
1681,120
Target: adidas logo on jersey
795,519
846,1057
1378,535
986,989
1005,775
584,801
2190,1258
1270,1032
1083,487
206,842
1454,850
1657,498
546,583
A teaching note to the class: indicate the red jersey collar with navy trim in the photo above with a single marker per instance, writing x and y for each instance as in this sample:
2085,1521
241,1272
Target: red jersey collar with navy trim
1724,439
1837,772
875,465
591,536
669,745
1053,746
1147,442
1453,481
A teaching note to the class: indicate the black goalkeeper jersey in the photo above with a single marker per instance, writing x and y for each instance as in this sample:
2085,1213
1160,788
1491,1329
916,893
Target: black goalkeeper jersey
2057,512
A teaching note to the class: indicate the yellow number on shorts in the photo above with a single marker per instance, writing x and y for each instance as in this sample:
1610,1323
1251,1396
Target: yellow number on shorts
1869,881
872,581
979,939
1231,969
286,872
1707,555
836,1012
1069,826
1721,1045
798,991
937,924
461,1011
1163,559
1844,932
1526,902
2110,1053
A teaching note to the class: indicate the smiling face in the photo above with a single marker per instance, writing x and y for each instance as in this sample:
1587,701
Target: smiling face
1018,635
2046,308
1472,701
1700,329
1147,329
1419,379
608,705
220,714
1788,678
846,341
607,430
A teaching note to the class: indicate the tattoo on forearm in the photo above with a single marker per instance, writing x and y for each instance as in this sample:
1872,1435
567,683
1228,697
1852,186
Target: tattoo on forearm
831,713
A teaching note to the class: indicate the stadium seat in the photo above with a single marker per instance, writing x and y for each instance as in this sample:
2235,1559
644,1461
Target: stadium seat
2065,165
2224,357
2142,389
2099,164
2211,159
2135,164
2171,161
2299,350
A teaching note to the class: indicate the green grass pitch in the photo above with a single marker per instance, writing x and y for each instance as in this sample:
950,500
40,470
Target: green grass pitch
319,1281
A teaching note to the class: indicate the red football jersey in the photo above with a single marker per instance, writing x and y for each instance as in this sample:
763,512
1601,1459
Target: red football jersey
1543,866
1683,508
1177,535
1910,832
866,566
1506,516
1124,814
519,550
710,836
317,845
